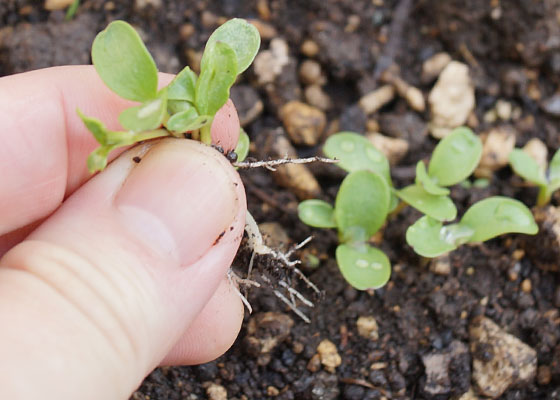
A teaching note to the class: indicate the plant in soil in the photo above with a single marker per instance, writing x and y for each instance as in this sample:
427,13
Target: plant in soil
185,107
453,160
367,196
361,207
547,180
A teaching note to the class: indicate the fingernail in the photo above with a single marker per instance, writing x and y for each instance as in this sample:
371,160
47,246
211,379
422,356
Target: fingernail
179,199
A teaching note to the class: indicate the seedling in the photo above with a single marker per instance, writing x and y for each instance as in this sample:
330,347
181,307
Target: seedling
361,207
453,160
187,105
484,220
366,196
548,181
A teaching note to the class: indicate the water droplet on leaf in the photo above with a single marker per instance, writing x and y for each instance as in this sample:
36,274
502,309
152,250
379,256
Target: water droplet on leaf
361,263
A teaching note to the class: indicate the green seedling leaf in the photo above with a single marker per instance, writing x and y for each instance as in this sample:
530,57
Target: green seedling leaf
496,216
147,116
123,62
317,213
356,153
361,205
526,167
363,267
175,106
242,37
554,172
186,121
97,160
96,127
455,157
427,183
429,238
440,208
72,10
182,87
216,78
243,143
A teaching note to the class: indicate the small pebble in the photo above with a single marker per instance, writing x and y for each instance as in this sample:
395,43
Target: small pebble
310,73
373,101
526,286
310,48
216,392
544,375
317,97
367,327
538,151
52,5
328,354
433,66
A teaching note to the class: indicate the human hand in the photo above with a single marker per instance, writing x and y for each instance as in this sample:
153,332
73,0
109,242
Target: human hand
119,273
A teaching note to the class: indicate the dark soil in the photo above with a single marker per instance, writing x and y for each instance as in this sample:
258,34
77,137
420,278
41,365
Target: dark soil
513,50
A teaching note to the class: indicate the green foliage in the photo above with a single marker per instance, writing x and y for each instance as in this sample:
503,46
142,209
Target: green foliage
361,207
242,148
124,63
484,220
453,160
526,166
317,213
363,266
187,104
366,197
242,37
72,10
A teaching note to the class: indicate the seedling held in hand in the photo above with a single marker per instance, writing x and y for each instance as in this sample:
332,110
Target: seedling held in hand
187,105
453,160
548,181
484,220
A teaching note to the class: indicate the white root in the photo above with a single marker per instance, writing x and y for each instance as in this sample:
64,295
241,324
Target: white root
286,160
256,243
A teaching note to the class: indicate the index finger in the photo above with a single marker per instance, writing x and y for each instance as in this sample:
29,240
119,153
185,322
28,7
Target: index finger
43,143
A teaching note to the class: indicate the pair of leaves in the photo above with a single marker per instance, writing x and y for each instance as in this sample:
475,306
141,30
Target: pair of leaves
484,220
188,103
452,161
361,208
110,140
526,166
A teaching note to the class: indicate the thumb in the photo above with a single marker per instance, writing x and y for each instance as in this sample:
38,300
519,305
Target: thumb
101,292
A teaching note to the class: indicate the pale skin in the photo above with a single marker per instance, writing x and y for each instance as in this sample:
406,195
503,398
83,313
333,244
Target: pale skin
102,279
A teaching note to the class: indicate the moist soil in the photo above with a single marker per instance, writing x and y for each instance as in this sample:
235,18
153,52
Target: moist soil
513,51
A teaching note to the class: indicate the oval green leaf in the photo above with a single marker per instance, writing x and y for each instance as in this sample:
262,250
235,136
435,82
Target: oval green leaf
124,63
317,213
96,127
363,267
526,167
186,121
429,238
361,205
147,116
496,216
427,183
243,143
242,37
357,153
216,78
440,208
182,87
455,157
